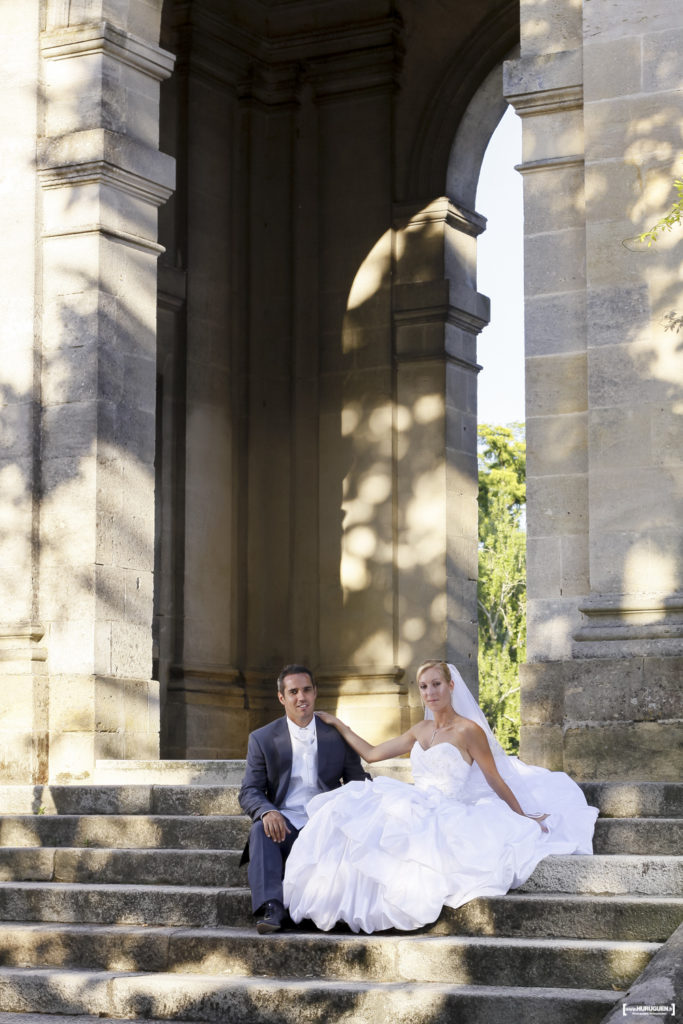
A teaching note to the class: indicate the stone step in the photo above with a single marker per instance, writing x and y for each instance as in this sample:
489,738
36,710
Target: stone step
547,915
222,905
211,832
142,867
125,799
612,873
109,903
638,835
635,799
650,918
264,1001
614,799
174,773
455,960
59,1018
214,827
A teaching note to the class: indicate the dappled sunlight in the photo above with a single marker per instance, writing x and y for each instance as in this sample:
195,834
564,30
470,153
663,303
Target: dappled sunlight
428,408
663,362
373,649
647,569
372,272
354,574
655,196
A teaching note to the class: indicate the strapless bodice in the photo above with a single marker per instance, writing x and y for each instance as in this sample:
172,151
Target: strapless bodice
442,767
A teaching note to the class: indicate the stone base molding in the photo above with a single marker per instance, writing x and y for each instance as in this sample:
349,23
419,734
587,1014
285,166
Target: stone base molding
604,718
96,716
23,703
641,625
213,709
207,714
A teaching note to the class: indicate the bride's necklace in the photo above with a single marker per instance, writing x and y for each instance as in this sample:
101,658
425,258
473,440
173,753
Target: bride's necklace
449,723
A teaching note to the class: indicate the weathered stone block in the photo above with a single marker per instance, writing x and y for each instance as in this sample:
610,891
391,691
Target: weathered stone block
558,134
551,624
15,428
549,27
557,384
557,505
72,703
556,262
621,436
542,694
555,324
621,509
544,566
575,566
68,533
555,192
623,18
661,59
542,745
624,752
611,68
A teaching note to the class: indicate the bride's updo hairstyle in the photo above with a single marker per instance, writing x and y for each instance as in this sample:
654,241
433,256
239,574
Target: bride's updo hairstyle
441,665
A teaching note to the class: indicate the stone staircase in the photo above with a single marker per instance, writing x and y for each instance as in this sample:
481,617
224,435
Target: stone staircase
125,899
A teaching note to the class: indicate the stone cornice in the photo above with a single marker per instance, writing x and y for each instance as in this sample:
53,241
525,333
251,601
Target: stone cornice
547,84
439,302
104,38
99,228
335,60
441,210
98,156
347,680
631,617
20,648
551,163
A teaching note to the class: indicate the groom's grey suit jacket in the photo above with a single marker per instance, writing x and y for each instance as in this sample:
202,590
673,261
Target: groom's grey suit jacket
269,766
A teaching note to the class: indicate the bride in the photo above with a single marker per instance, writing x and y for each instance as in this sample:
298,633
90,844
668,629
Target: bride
476,822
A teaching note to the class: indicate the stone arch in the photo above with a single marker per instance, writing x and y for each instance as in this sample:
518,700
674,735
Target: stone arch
451,101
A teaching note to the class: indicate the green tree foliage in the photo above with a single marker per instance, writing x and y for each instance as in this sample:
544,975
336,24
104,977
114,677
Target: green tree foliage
669,220
502,577
673,321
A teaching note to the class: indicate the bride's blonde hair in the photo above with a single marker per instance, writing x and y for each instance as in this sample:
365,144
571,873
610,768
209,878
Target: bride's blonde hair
433,663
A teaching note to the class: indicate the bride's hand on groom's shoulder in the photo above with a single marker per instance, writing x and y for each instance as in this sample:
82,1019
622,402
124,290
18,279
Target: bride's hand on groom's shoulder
326,717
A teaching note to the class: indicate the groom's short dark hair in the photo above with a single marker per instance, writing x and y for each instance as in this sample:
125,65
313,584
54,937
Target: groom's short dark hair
293,670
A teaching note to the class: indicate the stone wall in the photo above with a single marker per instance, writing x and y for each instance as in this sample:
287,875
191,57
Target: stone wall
264,448
89,178
601,104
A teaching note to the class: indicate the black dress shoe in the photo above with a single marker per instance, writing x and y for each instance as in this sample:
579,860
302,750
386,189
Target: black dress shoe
271,916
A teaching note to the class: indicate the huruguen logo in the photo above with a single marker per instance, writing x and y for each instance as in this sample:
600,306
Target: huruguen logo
643,1008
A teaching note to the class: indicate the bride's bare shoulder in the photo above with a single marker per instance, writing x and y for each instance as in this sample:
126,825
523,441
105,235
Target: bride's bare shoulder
470,729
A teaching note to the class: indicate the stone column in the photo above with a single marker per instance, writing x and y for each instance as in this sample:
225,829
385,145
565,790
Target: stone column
631,632
546,90
597,95
437,316
23,678
102,180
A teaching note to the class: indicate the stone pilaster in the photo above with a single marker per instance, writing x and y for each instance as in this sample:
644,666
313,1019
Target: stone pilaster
437,316
102,180
23,705
599,691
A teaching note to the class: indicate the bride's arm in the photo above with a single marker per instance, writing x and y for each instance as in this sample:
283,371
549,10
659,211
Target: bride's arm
390,748
479,750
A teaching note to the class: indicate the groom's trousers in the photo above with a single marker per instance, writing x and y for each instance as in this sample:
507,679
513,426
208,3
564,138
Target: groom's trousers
267,864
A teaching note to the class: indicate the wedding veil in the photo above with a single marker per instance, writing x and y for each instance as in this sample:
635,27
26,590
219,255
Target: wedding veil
511,769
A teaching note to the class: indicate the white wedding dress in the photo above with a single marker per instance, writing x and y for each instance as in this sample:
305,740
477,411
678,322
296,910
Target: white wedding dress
386,854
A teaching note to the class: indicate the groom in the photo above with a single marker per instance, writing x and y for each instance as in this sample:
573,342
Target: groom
289,761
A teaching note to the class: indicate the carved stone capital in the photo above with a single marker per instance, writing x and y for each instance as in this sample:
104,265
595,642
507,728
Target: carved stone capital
107,40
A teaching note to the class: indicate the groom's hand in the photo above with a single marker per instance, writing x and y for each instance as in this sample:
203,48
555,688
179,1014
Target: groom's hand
275,826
